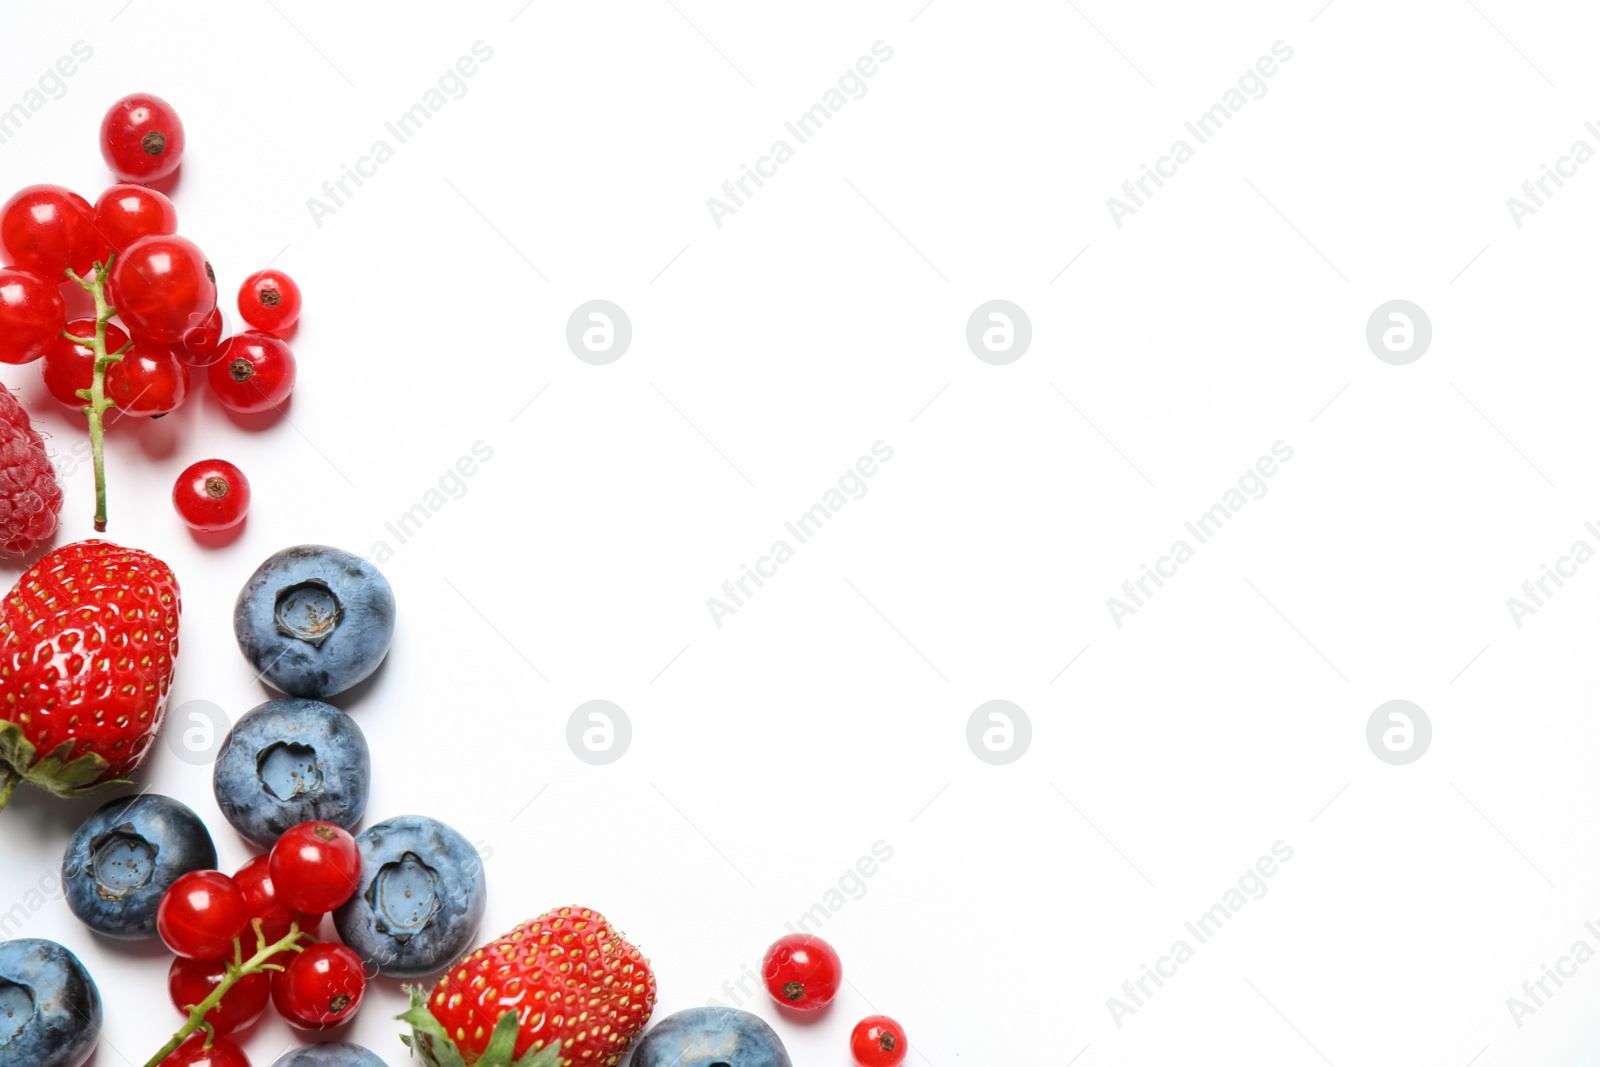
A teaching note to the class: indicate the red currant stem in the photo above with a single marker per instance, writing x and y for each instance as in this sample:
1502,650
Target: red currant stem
254,965
98,401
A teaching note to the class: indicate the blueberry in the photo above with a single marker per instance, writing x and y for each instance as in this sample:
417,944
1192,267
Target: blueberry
704,1037
125,856
333,1054
314,620
49,1006
287,762
420,900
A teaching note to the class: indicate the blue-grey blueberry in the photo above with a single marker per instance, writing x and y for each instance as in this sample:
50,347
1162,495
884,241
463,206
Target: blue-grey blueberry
704,1037
313,620
287,762
420,900
332,1054
50,1010
125,856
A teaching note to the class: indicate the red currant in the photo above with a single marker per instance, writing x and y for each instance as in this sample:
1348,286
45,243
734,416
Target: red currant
191,981
254,373
315,866
141,138
200,915
802,972
203,343
31,316
148,380
255,881
47,229
69,366
193,1053
125,213
878,1041
163,286
212,495
322,987
269,301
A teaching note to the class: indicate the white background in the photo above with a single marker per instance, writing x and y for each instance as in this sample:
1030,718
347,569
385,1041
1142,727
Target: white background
829,313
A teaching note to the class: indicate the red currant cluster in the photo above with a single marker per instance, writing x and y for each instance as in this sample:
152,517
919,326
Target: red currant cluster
243,940
802,974
154,320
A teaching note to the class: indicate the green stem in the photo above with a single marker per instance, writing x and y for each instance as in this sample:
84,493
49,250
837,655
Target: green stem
13,779
98,402
256,964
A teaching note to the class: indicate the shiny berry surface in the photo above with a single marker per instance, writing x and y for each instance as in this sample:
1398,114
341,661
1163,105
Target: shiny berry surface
201,915
322,987
193,1053
141,138
255,881
31,316
125,213
162,286
315,866
69,366
269,301
45,229
149,380
202,344
254,373
802,972
191,981
212,495
878,1041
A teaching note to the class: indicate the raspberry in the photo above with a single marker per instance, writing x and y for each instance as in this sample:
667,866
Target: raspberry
30,498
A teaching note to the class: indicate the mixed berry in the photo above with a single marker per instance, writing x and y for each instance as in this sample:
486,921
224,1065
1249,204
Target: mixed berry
88,650
156,322
125,857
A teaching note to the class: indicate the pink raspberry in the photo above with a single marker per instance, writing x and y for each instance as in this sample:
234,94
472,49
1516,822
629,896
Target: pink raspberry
30,498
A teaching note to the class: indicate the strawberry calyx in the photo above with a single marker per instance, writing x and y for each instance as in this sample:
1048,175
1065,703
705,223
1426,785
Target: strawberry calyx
436,1048
57,771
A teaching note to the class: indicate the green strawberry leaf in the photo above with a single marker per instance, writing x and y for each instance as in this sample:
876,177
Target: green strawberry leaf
58,771
428,1037
502,1042
549,1056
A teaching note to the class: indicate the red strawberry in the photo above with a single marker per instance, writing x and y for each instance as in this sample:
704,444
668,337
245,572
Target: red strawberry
88,640
561,989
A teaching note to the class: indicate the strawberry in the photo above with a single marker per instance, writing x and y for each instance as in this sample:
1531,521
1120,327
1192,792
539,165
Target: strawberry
559,990
88,640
